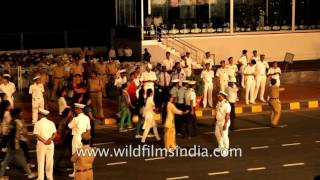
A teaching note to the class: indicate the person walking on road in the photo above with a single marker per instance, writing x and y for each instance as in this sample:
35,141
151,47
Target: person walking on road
170,130
149,121
275,103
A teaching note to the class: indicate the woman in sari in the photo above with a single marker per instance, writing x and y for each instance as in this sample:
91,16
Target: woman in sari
149,121
169,125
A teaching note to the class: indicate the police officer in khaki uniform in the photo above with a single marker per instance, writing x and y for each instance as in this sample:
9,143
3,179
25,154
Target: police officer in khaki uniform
101,68
58,74
112,69
83,164
77,67
275,103
95,89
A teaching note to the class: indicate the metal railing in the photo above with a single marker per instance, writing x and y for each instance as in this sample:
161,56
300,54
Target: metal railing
180,45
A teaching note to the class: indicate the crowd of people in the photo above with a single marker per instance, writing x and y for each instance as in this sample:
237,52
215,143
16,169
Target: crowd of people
78,85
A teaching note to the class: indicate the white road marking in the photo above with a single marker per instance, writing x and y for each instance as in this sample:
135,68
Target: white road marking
208,133
256,169
180,177
293,164
99,144
249,129
116,163
152,159
259,147
291,144
218,173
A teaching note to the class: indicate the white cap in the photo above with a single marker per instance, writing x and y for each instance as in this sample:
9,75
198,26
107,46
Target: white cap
6,75
263,53
192,82
78,105
149,66
122,71
175,80
222,93
43,111
37,77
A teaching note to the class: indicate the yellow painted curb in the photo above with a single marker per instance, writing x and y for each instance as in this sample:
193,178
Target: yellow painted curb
238,110
199,113
256,108
294,105
110,121
313,104
213,113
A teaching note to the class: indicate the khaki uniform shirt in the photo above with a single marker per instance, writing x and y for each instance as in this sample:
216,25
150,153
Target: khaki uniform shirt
59,72
95,85
77,69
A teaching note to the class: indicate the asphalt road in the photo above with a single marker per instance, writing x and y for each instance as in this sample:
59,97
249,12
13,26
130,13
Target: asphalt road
289,152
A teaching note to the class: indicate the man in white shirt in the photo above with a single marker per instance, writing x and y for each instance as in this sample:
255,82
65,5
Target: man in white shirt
148,78
232,91
261,78
207,75
243,61
223,76
275,73
36,90
255,56
191,62
232,69
8,87
175,88
207,59
222,119
168,62
180,75
186,64
250,85
78,125
164,83
45,131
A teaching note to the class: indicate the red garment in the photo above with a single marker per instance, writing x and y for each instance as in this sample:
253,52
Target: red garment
132,91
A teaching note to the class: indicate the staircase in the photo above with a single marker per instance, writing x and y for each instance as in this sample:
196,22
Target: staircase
173,44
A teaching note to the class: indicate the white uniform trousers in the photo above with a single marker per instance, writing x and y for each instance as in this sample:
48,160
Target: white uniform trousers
207,94
36,104
242,76
222,135
260,84
76,143
223,85
10,99
250,88
45,155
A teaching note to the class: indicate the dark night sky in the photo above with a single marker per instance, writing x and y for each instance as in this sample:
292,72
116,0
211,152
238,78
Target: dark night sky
57,16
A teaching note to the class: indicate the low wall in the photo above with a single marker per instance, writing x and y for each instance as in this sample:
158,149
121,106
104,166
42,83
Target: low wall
305,45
